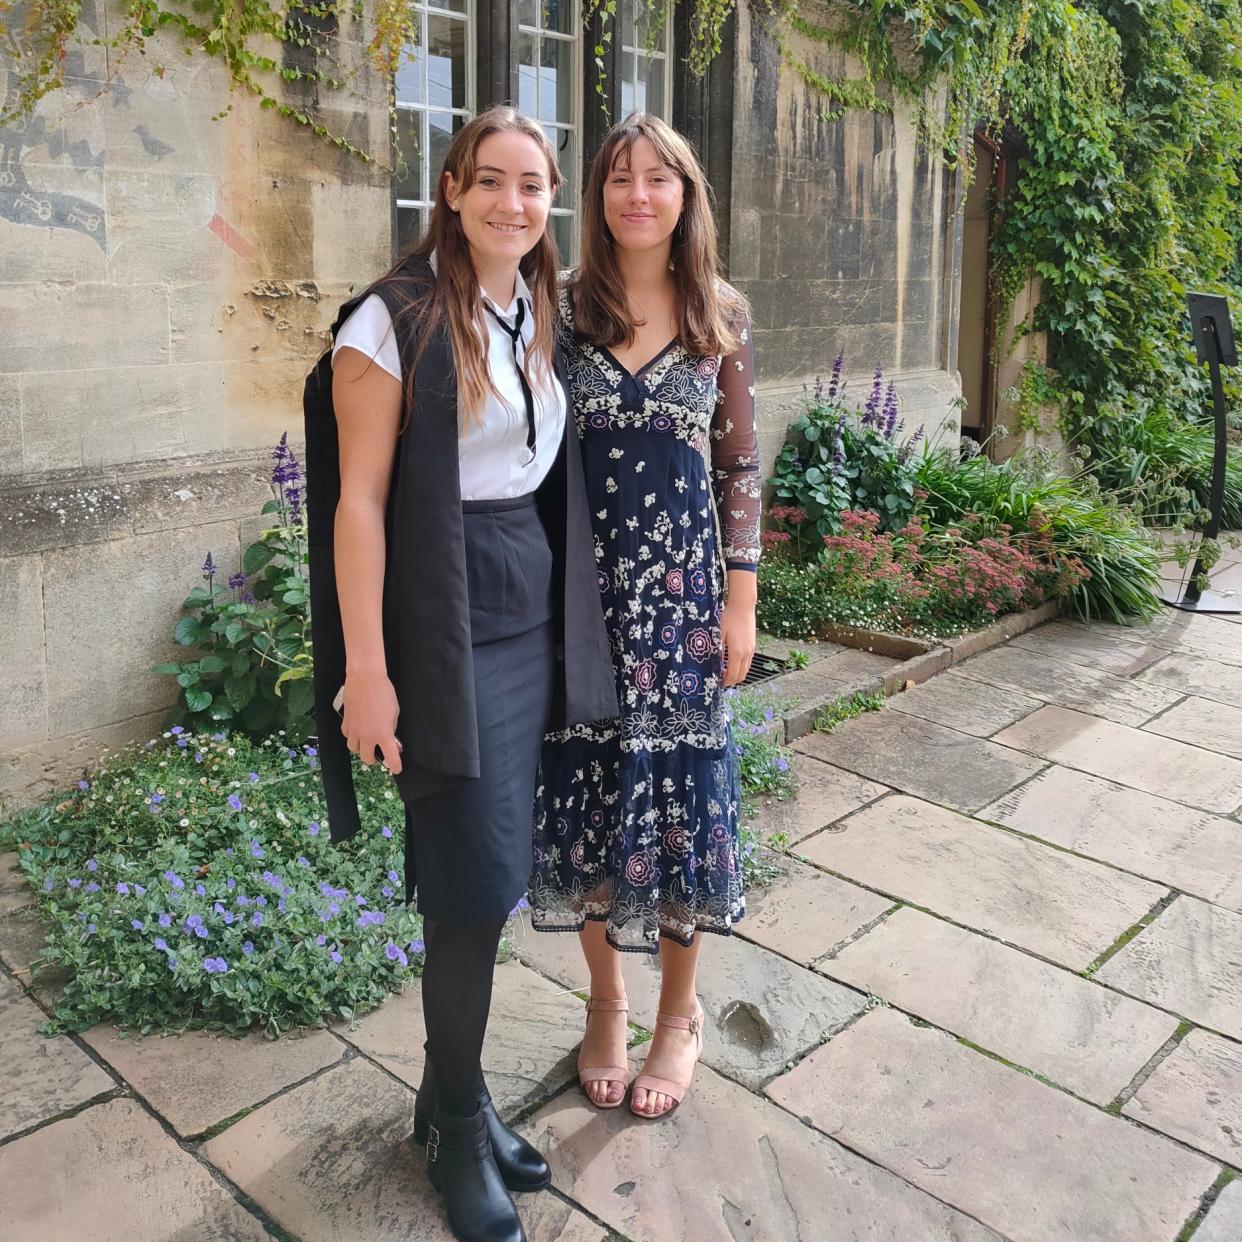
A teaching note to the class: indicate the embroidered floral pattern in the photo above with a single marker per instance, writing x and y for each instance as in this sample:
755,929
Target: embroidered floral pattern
636,818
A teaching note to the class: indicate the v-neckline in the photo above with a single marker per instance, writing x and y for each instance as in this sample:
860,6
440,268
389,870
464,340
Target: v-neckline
636,375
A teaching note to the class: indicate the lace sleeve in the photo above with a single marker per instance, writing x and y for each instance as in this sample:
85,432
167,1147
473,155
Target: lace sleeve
735,456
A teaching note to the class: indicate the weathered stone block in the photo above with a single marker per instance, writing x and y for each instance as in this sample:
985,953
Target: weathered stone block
97,326
135,588
1130,756
23,670
1026,1159
1064,908
965,705
1102,651
42,1076
771,1179
197,1079
922,758
1139,832
111,1174
825,794
1187,962
1202,722
1223,1222
1199,675
1195,1094
1074,1032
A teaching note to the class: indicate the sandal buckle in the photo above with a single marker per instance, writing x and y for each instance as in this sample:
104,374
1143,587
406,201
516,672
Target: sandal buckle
695,1024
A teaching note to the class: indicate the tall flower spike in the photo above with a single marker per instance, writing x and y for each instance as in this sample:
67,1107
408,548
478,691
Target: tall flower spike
209,568
834,384
890,410
871,412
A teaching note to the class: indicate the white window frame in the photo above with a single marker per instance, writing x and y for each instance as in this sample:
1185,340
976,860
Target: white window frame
640,53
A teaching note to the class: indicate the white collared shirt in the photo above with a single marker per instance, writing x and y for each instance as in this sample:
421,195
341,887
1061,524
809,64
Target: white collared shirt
491,454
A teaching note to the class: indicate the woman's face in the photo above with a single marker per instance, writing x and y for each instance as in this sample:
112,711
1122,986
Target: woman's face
505,210
643,199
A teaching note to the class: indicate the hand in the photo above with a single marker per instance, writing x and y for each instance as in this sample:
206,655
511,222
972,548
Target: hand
369,720
737,633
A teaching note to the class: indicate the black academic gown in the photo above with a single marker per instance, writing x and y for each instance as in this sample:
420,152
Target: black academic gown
426,607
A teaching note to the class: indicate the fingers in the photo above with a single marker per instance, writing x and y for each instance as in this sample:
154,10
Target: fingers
391,749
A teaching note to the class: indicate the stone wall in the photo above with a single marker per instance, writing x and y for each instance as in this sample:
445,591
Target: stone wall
165,282
845,236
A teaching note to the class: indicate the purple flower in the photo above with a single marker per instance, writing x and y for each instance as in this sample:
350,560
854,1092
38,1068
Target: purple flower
394,954
417,946
311,752
172,962
303,862
91,929
183,743
260,901
198,756
165,920
136,924
49,884
252,776
235,802
256,850
336,957
84,785
321,940
92,865
834,384
313,829
175,880
229,852
230,884
242,900
92,887
200,890
369,917
201,933
386,832
194,920
256,919
156,799
209,568
360,900
236,581
176,730
138,888
248,948
218,737
161,943
386,891
215,965
75,883
280,905
871,412
227,916
890,410
394,877
783,765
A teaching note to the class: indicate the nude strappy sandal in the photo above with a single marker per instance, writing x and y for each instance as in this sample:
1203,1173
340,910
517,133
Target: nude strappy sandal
604,1073
666,1086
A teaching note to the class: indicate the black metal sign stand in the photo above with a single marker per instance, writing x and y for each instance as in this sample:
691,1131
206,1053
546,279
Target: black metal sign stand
1209,316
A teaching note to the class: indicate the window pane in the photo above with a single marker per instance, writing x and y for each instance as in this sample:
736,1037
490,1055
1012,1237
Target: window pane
528,50
558,15
563,233
629,98
528,13
446,62
457,6
556,80
411,225
564,143
626,20
443,126
411,71
653,70
411,150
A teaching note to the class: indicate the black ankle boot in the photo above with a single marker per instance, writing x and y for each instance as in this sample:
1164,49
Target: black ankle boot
461,1167
521,1166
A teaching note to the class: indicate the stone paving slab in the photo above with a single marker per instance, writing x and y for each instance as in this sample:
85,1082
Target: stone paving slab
1223,1222
731,1166
803,912
921,758
1082,644
42,1077
1068,684
1187,633
549,1219
111,1174
852,665
14,891
1163,840
532,1036
22,938
1199,675
1074,1032
762,1011
1189,960
1028,1160
965,705
198,1079
1130,756
1195,1094
825,793
1064,908
328,1161
1202,722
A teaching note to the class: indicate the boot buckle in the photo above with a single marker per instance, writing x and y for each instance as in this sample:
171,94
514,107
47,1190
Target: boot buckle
433,1144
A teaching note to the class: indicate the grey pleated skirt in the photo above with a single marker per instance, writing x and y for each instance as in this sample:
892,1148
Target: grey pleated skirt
468,849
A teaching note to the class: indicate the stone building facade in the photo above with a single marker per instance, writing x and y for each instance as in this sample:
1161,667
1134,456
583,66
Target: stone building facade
166,279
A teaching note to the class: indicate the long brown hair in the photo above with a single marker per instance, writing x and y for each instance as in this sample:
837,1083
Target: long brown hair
453,296
709,312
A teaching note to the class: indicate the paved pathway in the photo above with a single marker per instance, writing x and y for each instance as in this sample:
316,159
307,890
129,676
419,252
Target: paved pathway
996,992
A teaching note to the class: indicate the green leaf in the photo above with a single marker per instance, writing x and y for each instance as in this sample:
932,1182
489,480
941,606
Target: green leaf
197,700
188,631
300,698
256,556
211,664
167,670
188,676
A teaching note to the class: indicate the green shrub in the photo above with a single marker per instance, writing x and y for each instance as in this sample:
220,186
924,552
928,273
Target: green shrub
253,669
187,883
766,769
843,709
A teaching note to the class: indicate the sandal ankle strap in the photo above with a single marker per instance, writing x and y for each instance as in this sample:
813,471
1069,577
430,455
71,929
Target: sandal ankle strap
677,1022
605,1005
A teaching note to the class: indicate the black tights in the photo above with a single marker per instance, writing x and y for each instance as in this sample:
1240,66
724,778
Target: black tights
457,995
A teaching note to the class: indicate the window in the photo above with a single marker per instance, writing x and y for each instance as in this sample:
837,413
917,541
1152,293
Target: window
435,95
645,36
549,89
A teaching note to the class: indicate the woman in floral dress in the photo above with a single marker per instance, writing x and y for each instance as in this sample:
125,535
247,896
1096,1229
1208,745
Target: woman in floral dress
636,835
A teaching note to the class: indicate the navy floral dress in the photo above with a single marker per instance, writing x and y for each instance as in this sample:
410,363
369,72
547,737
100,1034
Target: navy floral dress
636,819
